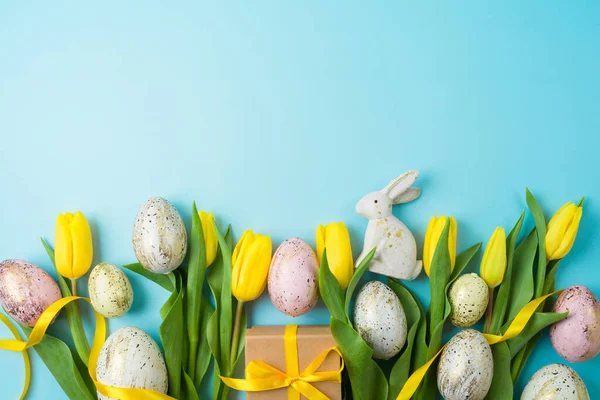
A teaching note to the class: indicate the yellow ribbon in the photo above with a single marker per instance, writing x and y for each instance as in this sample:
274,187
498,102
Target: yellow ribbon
261,376
37,334
15,333
514,329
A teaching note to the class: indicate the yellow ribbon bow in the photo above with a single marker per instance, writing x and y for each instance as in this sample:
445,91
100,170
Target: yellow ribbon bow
514,329
37,334
261,376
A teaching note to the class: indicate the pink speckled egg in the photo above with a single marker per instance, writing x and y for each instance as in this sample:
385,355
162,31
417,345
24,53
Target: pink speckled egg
26,290
577,337
293,278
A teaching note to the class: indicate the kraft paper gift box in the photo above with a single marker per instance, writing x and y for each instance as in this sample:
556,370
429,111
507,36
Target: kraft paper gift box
266,344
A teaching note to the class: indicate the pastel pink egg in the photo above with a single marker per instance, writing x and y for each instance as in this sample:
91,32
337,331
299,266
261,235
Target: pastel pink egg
293,278
577,337
26,290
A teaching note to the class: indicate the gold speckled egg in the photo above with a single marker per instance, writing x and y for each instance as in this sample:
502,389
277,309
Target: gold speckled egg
468,299
110,291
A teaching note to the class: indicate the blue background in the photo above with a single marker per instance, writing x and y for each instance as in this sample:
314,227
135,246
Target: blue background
279,116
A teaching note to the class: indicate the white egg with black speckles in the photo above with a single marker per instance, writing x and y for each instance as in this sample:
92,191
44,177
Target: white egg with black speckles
110,291
466,367
468,298
380,320
130,358
159,236
555,382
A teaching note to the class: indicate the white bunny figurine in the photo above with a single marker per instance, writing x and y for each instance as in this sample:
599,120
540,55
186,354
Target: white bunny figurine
396,254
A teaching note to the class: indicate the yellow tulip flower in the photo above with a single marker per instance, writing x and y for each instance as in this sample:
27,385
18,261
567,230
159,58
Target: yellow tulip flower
493,263
335,238
251,260
211,243
432,237
562,230
73,245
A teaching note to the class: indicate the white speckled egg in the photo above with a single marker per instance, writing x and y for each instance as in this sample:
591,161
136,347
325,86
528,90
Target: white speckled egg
159,236
26,290
577,337
130,358
468,297
555,382
293,278
380,320
466,367
110,290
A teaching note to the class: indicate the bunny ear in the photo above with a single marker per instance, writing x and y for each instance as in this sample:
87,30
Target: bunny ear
400,185
409,195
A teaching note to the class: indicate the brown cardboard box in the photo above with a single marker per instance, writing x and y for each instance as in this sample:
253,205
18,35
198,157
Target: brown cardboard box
265,343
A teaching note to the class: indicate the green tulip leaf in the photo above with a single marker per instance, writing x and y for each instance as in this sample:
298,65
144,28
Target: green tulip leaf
60,362
501,303
215,326
521,357
358,273
189,389
550,282
73,315
540,226
367,379
439,276
194,284
521,291
502,383
401,370
331,292
204,353
536,324
172,336
225,305
167,282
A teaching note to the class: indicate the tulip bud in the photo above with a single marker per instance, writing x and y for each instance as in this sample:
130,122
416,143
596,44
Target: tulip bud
73,245
493,263
210,236
432,237
562,230
335,238
251,260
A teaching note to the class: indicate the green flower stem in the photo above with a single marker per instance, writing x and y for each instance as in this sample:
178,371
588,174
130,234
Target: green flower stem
76,325
236,332
488,314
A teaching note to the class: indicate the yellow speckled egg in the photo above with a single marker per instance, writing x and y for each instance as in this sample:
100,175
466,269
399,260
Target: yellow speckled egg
468,298
110,291
555,382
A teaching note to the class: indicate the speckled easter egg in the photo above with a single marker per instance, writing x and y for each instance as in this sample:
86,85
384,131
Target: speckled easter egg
466,367
468,297
159,236
26,290
130,358
110,290
577,337
380,320
555,382
293,278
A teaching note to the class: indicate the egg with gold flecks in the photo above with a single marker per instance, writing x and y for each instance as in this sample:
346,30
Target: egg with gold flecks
380,320
466,367
130,358
110,291
159,236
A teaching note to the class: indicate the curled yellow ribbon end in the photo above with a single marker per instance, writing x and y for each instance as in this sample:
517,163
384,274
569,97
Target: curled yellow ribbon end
514,329
26,362
261,376
37,334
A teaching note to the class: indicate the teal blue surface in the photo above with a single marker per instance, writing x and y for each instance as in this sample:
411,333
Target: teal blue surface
279,116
